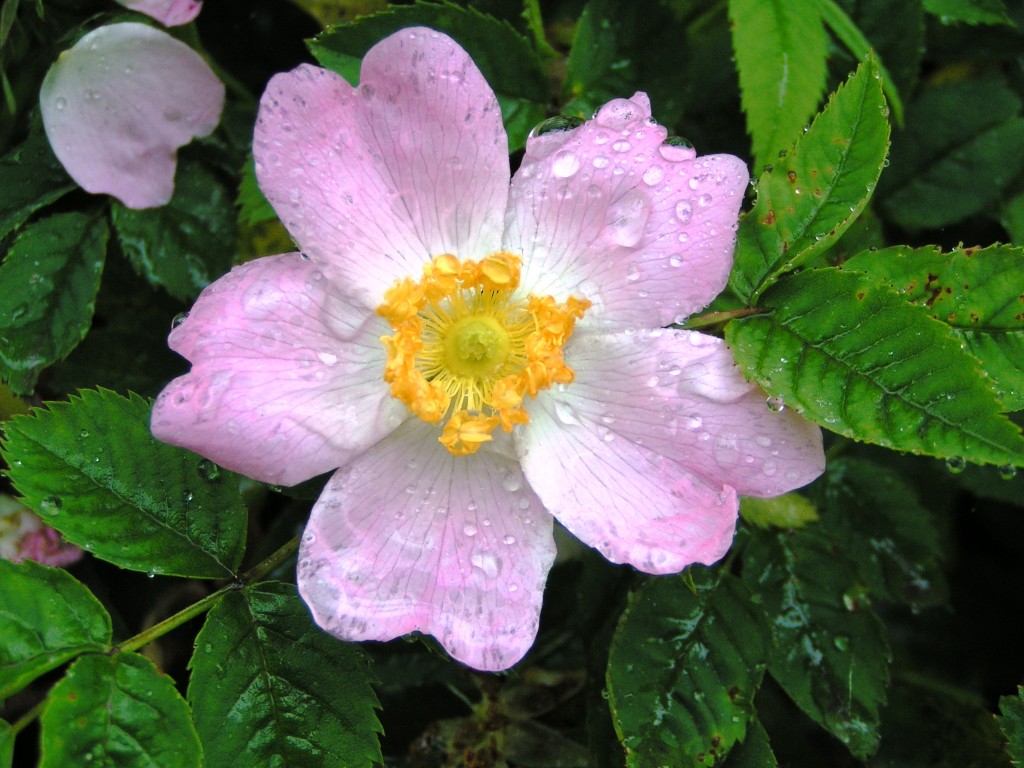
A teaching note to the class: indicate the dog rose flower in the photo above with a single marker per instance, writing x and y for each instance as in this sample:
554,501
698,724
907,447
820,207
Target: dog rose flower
477,359
118,104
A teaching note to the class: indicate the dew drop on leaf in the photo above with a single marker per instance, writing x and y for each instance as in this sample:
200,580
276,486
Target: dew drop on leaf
956,464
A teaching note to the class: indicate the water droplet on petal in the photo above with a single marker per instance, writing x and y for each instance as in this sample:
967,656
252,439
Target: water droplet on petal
776,404
179,318
469,529
684,212
60,102
653,175
511,482
632,271
566,414
486,562
675,260
566,164
510,540
621,146
601,162
704,200
628,218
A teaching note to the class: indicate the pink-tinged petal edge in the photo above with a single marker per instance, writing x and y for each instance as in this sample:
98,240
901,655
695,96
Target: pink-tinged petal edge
408,538
286,380
631,504
46,547
610,213
116,129
372,182
171,13
681,394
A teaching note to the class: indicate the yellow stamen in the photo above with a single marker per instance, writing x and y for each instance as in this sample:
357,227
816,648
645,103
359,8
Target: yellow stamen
467,348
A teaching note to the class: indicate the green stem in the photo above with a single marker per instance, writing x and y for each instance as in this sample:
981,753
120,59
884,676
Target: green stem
718,318
19,725
531,12
196,609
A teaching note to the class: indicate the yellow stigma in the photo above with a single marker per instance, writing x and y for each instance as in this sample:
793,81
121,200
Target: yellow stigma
466,348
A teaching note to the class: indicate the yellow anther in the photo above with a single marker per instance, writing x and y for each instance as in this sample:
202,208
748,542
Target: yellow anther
466,348
465,433
499,271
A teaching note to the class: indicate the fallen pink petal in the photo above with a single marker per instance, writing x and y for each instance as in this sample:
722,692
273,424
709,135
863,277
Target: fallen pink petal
170,13
478,358
23,536
118,104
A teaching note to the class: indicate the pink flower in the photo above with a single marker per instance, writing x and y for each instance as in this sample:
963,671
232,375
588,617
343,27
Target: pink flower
171,13
23,536
478,359
118,104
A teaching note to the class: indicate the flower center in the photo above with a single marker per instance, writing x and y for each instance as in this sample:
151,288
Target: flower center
466,348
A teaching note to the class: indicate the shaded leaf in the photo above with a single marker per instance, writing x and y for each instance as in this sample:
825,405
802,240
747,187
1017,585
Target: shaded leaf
117,711
963,145
828,651
48,285
92,470
6,745
968,11
1012,725
260,693
976,291
46,618
31,177
754,752
781,49
185,245
683,670
817,190
885,530
859,360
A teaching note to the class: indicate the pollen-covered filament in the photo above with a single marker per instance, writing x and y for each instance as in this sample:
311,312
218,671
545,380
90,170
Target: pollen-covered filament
467,349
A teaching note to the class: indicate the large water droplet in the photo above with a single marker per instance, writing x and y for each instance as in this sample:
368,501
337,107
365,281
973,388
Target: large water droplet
653,175
566,164
776,404
486,562
628,218
207,470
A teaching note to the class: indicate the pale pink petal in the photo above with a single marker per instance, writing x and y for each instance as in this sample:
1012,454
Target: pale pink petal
609,213
372,182
630,503
46,547
409,538
681,394
117,106
286,379
171,13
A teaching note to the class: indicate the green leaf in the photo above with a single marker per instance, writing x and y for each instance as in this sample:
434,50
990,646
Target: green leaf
1012,725
885,530
506,58
117,711
683,670
968,11
791,510
859,360
46,618
963,145
185,245
754,752
253,207
92,470
31,177
978,292
270,688
48,285
781,49
849,34
828,650
817,190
